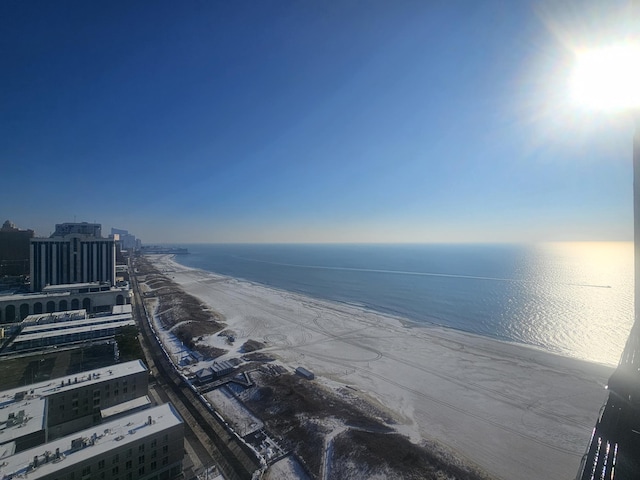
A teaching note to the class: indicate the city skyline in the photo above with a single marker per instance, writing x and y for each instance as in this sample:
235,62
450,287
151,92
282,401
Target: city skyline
287,122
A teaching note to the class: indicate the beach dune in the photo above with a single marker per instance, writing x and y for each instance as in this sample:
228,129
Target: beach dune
516,411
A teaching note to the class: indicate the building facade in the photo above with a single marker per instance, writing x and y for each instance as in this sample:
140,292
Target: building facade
75,253
14,250
43,411
92,297
77,401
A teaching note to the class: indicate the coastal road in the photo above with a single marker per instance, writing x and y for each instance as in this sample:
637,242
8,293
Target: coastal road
208,439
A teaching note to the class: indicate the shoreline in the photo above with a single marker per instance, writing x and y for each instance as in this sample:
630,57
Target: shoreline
517,412
406,322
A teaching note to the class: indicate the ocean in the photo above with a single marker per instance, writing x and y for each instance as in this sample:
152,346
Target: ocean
575,299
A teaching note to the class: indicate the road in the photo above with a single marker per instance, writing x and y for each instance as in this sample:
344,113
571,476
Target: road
207,440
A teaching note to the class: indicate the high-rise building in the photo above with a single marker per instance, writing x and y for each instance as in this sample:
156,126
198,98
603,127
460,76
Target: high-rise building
14,250
83,228
128,241
75,253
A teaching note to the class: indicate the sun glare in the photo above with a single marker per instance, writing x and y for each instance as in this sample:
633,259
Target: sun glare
607,78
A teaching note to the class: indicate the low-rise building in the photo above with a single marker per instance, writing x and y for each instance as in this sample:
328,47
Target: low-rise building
63,328
147,445
94,297
54,408
221,368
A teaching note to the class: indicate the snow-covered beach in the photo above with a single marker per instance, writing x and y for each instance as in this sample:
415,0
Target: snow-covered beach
518,412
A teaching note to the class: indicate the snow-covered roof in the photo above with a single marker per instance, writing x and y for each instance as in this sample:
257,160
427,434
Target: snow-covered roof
70,382
89,443
136,403
70,331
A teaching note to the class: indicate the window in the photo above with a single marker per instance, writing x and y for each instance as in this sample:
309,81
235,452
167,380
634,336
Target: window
116,459
101,464
165,460
114,470
124,390
129,465
153,465
86,471
141,471
140,459
141,448
165,449
129,453
154,453
154,442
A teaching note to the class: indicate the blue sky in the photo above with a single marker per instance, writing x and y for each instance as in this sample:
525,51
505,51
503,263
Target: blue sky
308,121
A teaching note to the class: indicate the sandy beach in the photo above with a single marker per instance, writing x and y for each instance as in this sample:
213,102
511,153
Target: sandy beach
517,412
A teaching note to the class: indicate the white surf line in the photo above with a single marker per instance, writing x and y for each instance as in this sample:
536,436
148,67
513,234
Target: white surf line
419,274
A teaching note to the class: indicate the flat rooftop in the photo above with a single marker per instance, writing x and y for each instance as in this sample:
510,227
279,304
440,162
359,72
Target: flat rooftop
19,418
16,297
55,317
73,286
70,382
63,326
71,331
22,410
89,443
135,404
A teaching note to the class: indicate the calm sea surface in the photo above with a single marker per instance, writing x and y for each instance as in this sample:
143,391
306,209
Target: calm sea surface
570,298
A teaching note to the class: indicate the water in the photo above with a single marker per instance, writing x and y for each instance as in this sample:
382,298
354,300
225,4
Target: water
570,298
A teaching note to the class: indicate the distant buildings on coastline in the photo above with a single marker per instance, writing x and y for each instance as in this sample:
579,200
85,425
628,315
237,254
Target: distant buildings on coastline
158,249
128,242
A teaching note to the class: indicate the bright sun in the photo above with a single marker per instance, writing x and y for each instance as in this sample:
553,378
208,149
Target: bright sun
607,78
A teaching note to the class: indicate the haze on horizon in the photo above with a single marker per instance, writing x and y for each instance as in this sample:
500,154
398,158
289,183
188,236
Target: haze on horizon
317,122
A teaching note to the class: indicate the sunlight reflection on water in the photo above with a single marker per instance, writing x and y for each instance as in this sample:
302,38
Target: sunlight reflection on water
588,317
571,298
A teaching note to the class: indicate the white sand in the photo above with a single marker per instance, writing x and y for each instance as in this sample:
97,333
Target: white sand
518,412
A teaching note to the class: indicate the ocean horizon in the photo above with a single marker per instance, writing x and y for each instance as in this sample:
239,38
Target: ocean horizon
570,298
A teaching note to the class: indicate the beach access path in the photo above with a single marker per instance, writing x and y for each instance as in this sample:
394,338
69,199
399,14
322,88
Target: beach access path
516,411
